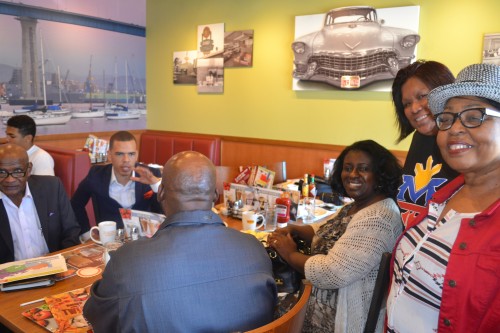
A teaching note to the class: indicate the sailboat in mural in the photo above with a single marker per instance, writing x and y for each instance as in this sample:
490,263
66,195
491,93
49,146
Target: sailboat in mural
91,112
122,112
46,114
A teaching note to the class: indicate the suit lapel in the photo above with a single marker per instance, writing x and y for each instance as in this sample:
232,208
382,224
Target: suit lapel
5,228
139,192
41,208
106,181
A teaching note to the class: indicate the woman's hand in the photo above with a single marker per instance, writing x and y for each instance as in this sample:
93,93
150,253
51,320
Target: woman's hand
283,244
283,231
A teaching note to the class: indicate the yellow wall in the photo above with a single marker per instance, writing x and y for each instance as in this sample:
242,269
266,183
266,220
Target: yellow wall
259,101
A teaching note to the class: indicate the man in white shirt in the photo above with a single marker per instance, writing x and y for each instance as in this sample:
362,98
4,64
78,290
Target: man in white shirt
35,213
120,184
21,130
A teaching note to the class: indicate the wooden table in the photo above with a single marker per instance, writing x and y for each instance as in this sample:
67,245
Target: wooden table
235,223
10,309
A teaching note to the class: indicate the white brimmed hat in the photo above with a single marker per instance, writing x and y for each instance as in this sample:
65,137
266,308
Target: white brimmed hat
481,80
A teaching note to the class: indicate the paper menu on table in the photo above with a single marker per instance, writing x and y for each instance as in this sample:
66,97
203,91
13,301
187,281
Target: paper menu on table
62,313
250,195
42,316
90,255
67,310
30,268
147,223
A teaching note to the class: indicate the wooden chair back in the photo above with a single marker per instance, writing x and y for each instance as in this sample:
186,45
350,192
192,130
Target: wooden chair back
293,320
280,171
380,292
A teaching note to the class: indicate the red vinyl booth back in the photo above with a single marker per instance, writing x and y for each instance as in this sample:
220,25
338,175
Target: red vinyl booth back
158,147
71,166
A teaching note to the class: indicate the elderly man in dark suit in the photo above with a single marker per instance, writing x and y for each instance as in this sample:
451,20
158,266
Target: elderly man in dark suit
35,213
193,275
117,185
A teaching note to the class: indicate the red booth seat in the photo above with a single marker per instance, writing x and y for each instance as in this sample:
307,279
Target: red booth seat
71,166
157,146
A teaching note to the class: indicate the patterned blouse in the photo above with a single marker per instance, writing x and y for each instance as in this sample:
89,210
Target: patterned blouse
419,268
326,299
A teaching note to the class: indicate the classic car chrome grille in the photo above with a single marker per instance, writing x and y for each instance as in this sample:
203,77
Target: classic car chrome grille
336,65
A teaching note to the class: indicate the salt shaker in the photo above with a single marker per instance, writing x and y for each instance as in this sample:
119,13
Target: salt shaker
134,233
120,236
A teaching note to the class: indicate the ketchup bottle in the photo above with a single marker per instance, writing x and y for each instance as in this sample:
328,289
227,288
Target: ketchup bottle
283,204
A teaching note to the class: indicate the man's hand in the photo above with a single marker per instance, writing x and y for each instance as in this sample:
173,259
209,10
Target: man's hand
144,175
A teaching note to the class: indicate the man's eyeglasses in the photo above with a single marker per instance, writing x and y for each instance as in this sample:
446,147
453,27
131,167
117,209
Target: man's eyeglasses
470,118
16,173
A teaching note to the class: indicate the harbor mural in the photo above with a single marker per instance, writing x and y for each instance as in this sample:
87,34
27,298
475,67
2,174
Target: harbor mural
84,75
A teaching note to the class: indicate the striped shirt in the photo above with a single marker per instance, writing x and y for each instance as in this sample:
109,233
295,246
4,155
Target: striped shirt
419,268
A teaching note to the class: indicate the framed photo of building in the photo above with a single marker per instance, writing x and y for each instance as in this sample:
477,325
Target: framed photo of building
185,67
210,75
238,48
491,49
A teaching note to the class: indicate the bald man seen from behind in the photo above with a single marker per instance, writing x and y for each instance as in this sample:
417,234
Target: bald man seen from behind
193,275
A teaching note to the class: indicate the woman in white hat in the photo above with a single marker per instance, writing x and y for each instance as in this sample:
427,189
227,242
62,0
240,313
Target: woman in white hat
446,268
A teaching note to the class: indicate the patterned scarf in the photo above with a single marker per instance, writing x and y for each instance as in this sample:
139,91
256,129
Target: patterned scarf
331,231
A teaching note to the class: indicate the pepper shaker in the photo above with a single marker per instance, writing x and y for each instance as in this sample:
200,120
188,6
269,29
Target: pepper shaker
120,235
134,233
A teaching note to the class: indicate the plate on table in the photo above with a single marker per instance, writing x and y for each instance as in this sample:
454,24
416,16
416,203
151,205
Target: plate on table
317,202
318,211
260,235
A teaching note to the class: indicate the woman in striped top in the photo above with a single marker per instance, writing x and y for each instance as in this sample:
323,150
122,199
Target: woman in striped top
446,268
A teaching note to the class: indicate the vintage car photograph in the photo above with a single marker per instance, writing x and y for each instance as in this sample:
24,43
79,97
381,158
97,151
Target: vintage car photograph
354,48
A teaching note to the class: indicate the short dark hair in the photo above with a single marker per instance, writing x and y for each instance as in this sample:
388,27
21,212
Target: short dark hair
121,136
432,73
386,168
24,124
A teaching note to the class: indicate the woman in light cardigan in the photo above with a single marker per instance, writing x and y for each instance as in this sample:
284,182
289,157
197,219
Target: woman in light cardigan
346,250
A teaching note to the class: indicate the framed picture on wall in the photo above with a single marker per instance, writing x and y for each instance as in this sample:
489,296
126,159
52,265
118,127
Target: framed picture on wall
354,48
211,40
210,75
238,48
491,49
185,67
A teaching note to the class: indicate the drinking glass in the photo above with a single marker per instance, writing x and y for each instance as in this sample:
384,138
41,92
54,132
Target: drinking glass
110,247
310,207
270,215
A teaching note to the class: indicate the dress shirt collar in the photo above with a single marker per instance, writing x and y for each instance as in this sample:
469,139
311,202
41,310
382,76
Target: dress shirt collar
114,180
27,194
191,217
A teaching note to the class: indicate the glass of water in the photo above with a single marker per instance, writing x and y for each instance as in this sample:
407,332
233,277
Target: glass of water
270,215
310,207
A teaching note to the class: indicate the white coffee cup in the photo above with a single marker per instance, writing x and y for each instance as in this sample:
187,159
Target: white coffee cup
250,219
106,231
